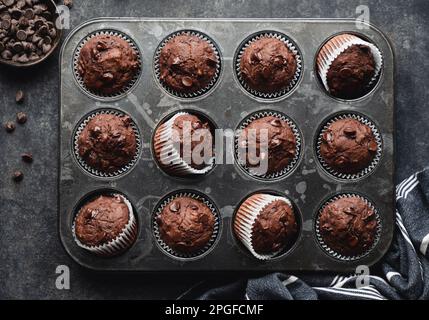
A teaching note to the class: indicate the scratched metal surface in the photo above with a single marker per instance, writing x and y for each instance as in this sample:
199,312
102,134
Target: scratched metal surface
226,185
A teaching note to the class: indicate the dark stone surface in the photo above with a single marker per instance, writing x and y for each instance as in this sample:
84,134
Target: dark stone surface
29,246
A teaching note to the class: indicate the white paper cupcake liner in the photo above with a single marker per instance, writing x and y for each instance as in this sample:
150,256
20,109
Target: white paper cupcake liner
82,161
375,161
332,252
245,218
118,245
291,46
165,148
200,92
177,254
126,88
337,45
242,162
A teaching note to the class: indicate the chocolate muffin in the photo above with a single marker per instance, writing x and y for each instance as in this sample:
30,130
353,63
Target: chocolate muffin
187,63
108,142
281,149
266,224
102,220
267,65
274,228
186,224
348,226
351,72
348,66
107,64
348,146
185,126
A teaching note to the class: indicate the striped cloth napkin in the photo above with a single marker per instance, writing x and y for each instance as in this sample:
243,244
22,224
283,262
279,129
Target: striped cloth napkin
403,273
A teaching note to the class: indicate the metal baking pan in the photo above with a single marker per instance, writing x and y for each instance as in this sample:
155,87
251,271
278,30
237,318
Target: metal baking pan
308,186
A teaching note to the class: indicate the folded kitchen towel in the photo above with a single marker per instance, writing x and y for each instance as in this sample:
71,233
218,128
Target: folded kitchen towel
403,273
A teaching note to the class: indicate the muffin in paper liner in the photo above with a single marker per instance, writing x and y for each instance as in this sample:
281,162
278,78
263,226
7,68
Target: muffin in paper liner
332,252
177,254
337,45
165,151
118,245
129,86
366,171
188,95
242,162
291,46
95,171
245,218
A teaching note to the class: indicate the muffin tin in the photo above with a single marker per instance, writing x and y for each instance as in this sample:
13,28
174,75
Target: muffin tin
308,185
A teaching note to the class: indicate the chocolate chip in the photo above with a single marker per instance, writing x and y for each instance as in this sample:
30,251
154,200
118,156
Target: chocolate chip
46,48
23,22
176,61
23,58
108,76
21,117
27,157
346,72
6,54
20,4
187,81
19,96
16,13
9,126
5,24
350,132
372,146
8,3
2,47
276,123
17,176
29,13
21,35
68,3
174,207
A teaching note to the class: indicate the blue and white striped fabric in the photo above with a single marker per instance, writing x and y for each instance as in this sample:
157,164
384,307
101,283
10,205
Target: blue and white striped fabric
402,274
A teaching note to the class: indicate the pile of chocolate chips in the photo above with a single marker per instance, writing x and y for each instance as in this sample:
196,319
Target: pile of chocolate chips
27,30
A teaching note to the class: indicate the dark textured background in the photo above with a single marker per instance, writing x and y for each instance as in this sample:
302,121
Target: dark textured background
29,246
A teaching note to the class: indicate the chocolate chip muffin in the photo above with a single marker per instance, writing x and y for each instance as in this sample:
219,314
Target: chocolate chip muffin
108,142
348,66
266,224
274,227
107,64
348,146
187,63
186,224
348,226
102,220
277,152
351,72
267,65
186,133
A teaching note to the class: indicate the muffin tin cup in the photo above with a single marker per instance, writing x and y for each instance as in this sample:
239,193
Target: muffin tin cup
245,219
165,148
242,162
101,95
200,92
291,46
364,172
332,252
337,45
95,171
118,245
177,254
